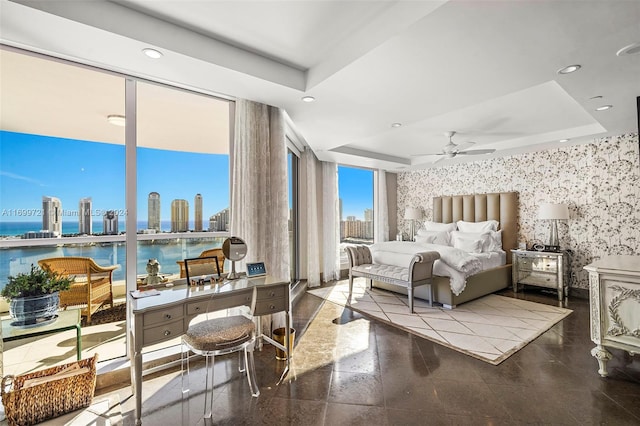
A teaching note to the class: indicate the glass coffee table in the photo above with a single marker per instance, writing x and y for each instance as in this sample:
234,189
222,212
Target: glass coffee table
67,320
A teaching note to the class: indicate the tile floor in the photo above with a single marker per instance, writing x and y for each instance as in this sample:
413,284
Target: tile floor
349,370
490,328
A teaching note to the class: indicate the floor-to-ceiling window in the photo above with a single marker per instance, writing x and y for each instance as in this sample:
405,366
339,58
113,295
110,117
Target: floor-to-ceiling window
355,198
63,180
292,165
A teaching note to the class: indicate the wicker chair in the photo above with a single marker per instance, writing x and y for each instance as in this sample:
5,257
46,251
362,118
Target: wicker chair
217,252
92,286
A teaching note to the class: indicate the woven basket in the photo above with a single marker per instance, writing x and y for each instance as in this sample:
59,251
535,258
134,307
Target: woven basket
28,406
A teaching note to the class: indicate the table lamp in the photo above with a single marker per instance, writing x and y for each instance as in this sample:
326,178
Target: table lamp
554,213
412,214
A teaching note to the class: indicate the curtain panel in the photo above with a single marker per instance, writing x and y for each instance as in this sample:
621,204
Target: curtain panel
311,165
330,223
381,209
259,190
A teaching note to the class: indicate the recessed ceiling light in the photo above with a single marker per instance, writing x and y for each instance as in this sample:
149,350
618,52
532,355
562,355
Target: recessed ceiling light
632,49
308,99
116,120
152,53
604,107
396,124
569,69
564,140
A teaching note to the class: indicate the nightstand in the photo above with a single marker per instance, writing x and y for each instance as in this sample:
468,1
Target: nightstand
542,269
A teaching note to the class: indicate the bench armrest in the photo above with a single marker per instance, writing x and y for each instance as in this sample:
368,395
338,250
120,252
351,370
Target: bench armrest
358,255
421,266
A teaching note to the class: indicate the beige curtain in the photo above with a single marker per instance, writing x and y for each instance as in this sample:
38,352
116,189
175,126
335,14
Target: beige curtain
259,194
311,165
330,223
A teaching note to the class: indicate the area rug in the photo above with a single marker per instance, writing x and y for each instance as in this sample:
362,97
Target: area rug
107,314
491,328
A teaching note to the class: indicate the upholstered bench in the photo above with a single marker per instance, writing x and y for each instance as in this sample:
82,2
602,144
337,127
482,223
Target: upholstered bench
419,271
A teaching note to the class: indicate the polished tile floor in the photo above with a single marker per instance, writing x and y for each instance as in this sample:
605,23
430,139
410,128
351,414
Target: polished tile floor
349,370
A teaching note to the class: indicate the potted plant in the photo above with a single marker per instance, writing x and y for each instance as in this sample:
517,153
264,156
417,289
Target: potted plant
34,296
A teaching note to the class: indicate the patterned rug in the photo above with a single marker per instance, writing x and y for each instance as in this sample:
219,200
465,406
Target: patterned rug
491,328
107,314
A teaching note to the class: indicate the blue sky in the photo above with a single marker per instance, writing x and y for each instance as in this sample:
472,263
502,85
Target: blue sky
355,188
32,166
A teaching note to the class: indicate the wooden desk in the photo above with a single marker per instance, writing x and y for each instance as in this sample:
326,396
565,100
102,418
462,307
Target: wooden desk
167,315
67,320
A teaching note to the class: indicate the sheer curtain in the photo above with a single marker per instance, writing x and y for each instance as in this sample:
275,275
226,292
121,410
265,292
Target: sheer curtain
259,194
312,225
330,223
381,210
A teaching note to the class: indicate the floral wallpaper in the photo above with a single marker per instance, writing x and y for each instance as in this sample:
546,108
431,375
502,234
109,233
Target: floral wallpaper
600,182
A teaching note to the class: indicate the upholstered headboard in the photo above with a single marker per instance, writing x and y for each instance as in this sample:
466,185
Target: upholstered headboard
500,206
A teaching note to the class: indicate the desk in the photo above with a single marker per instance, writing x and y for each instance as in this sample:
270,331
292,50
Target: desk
67,320
167,315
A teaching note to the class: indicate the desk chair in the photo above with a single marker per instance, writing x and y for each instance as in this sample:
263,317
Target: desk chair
220,336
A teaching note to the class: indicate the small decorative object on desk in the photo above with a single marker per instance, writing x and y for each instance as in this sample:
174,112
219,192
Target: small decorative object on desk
139,294
153,268
34,397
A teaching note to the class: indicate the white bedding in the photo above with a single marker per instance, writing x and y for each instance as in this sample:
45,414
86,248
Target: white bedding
453,263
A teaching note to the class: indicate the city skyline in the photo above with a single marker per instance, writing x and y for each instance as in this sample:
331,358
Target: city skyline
67,169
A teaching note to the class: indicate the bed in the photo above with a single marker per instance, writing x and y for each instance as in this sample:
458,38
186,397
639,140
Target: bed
501,207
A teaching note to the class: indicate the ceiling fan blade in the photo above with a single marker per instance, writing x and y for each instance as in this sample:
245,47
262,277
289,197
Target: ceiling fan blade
464,145
442,157
477,151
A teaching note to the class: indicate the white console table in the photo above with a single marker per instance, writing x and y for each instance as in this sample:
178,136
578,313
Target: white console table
614,297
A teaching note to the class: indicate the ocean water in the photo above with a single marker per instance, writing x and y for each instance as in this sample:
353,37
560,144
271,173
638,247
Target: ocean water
19,260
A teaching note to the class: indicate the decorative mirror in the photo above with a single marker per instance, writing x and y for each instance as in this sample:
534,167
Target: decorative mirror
234,249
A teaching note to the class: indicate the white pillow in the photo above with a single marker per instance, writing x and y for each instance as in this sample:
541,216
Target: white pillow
467,244
436,226
487,225
433,237
491,240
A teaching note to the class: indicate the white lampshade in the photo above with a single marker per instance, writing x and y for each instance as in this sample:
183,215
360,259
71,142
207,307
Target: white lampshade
553,211
412,213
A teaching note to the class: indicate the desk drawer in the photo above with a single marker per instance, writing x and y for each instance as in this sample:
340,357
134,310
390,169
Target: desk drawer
270,306
218,303
162,315
270,293
163,332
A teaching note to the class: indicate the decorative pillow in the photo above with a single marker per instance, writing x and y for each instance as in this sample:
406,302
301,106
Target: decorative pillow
436,226
487,225
491,240
467,244
433,237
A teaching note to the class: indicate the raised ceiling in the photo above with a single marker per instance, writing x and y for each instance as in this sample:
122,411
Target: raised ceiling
486,69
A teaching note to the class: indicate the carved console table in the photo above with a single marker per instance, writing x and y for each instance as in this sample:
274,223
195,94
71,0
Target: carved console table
614,298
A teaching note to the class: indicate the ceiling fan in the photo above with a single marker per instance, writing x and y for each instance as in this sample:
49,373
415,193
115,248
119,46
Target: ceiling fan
452,150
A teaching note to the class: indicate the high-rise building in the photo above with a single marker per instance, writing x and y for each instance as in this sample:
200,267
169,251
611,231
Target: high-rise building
368,215
179,215
220,221
52,215
85,225
153,211
110,223
198,213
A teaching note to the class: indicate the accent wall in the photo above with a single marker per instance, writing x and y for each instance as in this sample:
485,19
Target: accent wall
600,181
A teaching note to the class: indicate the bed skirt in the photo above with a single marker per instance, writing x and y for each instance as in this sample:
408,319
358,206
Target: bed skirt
478,285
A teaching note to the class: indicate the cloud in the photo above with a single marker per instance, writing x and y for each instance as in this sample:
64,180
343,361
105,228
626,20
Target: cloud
19,177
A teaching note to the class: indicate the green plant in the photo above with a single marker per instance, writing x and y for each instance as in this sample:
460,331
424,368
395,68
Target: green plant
35,283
